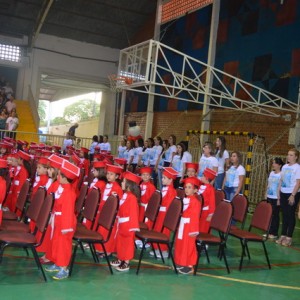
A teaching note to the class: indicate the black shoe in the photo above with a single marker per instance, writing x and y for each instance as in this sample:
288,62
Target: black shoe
185,270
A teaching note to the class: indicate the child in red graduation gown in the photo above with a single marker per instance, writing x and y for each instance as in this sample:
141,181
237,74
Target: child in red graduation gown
3,174
52,185
185,254
84,160
168,194
127,220
112,187
208,193
63,222
22,172
147,190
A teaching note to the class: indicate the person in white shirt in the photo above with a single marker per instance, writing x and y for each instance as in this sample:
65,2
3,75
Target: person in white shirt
67,142
289,196
12,123
92,147
170,151
105,146
222,156
234,178
122,148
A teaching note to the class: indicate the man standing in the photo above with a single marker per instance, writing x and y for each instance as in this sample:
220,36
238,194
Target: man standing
72,130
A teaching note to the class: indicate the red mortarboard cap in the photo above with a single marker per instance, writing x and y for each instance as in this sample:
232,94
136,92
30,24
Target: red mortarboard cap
120,161
99,164
3,163
189,165
6,138
147,170
41,145
20,142
104,151
75,158
114,169
193,180
55,161
57,148
209,173
6,145
46,153
15,155
133,177
43,161
84,150
97,147
24,155
170,173
69,170
33,146
67,157
99,156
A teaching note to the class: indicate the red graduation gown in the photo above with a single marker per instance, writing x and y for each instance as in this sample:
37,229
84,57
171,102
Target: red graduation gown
2,195
110,188
63,223
208,193
127,224
185,253
147,190
168,194
20,177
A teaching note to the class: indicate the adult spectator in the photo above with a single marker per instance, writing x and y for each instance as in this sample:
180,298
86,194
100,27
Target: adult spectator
72,130
10,104
3,118
8,89
12,124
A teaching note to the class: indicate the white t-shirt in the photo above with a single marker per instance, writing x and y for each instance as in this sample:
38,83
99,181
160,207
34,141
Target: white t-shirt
207,162
128,154
221,161
67,142
233,174
12,123
169,152
138,152
105,146
121,150
273,183
92,147
289,175
177,163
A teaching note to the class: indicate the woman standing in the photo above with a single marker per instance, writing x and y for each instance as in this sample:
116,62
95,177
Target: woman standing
222,156
289,196
170,151
235,175
272,196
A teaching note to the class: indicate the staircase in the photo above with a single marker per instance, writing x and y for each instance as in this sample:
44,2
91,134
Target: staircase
26,122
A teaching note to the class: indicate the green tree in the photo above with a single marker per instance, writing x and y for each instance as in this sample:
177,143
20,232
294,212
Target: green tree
81,110
42,110
58,121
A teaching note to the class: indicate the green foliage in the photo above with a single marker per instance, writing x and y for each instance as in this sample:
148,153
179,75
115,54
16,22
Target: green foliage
58,121
81,110
42,109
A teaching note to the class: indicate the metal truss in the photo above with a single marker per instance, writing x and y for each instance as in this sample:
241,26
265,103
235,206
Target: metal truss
162,71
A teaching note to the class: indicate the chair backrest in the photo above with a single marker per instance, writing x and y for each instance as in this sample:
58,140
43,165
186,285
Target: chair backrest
23,195
90,177
180,192
152,209
240,206
109,212
219,196
80,199
44,215
262,216
8,182
221,218
36,204
81,178
33,167
91,204
173,215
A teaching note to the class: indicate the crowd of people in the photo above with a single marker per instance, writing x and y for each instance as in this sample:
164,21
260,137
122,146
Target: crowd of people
9,120
134,174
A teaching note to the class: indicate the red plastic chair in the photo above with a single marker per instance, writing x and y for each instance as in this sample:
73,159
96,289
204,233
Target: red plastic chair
219,196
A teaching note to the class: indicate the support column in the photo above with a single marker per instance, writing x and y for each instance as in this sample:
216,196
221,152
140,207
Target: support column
107,115
122,114
205,125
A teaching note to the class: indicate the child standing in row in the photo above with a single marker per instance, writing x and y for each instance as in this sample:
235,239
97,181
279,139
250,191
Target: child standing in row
3,174
168,194
185,255
127,222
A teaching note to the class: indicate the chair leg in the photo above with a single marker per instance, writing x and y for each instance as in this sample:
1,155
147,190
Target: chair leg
81,247
141,256
171,256
26,250
107,260
37,260
225,259
73,259
199,249
2,246
93,252
206,253
162,258
242,256
266,254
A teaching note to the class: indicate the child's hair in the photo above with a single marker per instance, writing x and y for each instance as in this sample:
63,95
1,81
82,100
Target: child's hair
85,155
100,138
278,161
158,138
64,176
140,142
102,174
222,146
3,172
150,140
296,152
239,156
54,175
173,138
95,138
210,145
131,144
183,149
133,188
105,136
27,166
